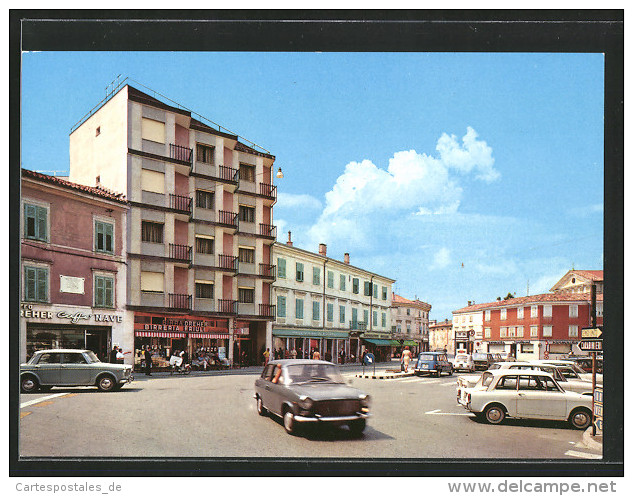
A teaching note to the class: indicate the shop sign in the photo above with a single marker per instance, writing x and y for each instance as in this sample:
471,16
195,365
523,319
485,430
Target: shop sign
28,312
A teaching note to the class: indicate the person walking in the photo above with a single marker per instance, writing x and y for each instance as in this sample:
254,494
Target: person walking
293,354
266,356
316,355
148,361
113,353
405,358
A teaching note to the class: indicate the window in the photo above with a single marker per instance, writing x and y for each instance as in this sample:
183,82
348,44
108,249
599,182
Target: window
247,255
503,332
151,232
35,222
104,236
547,310
355,285
247,214
204,290
299,308
573,331
341,314
97,131
534,311
520,313
330,312
367,288
533,331
511,332
383,320
316,310
204,245
547,331
487,332
408,311
205,199
330,279
384,293
247,173
519,331
50,358
36,284
504,314
342,282
354,316
246,295
299,272
366,316
153,181
375,318
281,306
73,358
153,130
281,268
507,382
487,315
408,328
316,275
104,291
204,153
375,289
153,282
573,310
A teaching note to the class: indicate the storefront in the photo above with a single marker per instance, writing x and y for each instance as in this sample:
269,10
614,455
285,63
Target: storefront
333,346
463,342
59,326
381,348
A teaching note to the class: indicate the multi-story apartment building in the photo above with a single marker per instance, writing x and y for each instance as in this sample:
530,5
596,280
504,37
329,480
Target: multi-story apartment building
538,326
200,223
410,323
441,336
327,305
468,329
72,245
579,281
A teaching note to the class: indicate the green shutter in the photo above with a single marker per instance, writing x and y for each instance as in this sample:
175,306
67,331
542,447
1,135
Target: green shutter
281,268
281,306
29,284
342,282
299,308
99,291
109,237
41,223
42,284
341,311
315,310
109,292
316,275
330,312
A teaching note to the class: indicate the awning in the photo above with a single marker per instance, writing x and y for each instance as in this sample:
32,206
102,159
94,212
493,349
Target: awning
309,333
379,342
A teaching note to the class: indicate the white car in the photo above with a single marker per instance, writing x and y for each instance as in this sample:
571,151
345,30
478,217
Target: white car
578,372
530,394
464,361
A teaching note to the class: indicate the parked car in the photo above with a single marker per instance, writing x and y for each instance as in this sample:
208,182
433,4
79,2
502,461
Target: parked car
310,391
585,363
572,370
507,357
49,368
464,361
432,362
483,360
530,394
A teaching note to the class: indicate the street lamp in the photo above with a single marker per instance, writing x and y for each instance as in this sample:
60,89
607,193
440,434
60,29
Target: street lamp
280,174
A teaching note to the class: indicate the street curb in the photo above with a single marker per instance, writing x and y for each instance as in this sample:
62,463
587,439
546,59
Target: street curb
591,441
385,376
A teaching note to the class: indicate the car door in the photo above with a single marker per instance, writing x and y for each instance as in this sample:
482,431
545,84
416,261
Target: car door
540,397
75,370
505,392
48,368
264,385
277,391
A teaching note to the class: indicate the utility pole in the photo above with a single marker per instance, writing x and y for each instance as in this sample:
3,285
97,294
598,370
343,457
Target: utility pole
593,359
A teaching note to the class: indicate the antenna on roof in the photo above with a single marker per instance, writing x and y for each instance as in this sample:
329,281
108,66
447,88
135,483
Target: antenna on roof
112,85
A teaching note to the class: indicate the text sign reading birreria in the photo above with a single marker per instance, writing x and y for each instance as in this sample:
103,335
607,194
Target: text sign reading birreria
590,345
591,333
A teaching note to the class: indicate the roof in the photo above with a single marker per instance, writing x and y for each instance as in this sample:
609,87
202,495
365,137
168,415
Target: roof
98,191
524,300
400,300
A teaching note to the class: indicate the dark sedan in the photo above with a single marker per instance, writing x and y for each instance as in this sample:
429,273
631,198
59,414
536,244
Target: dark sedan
310,391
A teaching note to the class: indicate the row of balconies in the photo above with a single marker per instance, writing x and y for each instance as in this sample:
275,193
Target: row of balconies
222,306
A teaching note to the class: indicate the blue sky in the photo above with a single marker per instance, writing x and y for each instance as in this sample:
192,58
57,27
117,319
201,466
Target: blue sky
414,163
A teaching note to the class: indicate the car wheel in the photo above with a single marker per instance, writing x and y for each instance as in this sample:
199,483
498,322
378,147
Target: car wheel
289,422
106,383
357,427
28,384
580,419
495,414
450,371
260,407
438,373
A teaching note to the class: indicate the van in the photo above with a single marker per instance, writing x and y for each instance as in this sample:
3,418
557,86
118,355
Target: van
432,362
483,360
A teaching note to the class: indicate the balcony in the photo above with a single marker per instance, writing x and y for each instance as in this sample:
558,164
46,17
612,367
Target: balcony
267,310
181,153
181,204
268,230
227,306
268,191
228,174
180,301
180,253
228,219
357,326
268,271
228,262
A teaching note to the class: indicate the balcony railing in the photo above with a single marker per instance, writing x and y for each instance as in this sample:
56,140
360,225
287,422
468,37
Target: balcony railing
268,230
180,203
269,271
357,326
227,306
228,262
180,301
266,310
181,153
229,218
228,173
268,190
180,252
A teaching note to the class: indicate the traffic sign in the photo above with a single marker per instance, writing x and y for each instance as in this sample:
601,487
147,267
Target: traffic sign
591,332
369,359
598,423
590,345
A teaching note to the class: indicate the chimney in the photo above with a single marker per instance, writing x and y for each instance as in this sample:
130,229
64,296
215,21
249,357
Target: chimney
470,303
289,242
97,181
346,258
323,249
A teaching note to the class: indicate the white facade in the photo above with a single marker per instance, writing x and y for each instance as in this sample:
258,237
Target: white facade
468,328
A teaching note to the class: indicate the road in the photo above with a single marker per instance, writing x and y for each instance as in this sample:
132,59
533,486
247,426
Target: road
213,415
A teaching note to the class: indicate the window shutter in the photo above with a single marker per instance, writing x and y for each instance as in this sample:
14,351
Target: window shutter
281,306
109,292
29,220
42,284
109,236
99,291
41,223
29,283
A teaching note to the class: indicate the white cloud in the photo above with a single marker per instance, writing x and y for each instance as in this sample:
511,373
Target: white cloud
289,200
474,154
441,259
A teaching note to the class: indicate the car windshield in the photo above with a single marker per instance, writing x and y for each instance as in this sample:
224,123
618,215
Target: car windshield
314,372
486,379
92,358
480,356
426,357
494,366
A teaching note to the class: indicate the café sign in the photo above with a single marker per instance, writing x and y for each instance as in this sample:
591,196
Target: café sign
28,312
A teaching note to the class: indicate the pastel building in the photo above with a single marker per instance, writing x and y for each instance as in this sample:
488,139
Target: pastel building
410,320
468,329
329,305
199,228
72,265
441,336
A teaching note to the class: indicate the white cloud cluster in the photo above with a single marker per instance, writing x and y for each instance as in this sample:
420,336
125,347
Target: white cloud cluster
289,200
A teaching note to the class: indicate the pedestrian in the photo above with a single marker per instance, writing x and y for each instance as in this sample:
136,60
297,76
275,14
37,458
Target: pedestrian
148,361
316,355
293,354
113,353
266,356
405,359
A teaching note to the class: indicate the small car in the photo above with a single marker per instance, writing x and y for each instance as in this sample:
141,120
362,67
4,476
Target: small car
59,367
310,392
507,357
576,370
483,360
532,394
464,361
432,362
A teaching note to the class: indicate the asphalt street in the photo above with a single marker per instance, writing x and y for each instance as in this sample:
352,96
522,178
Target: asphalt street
213,415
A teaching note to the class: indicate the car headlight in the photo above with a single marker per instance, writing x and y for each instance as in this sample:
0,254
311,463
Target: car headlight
365,400
305,403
